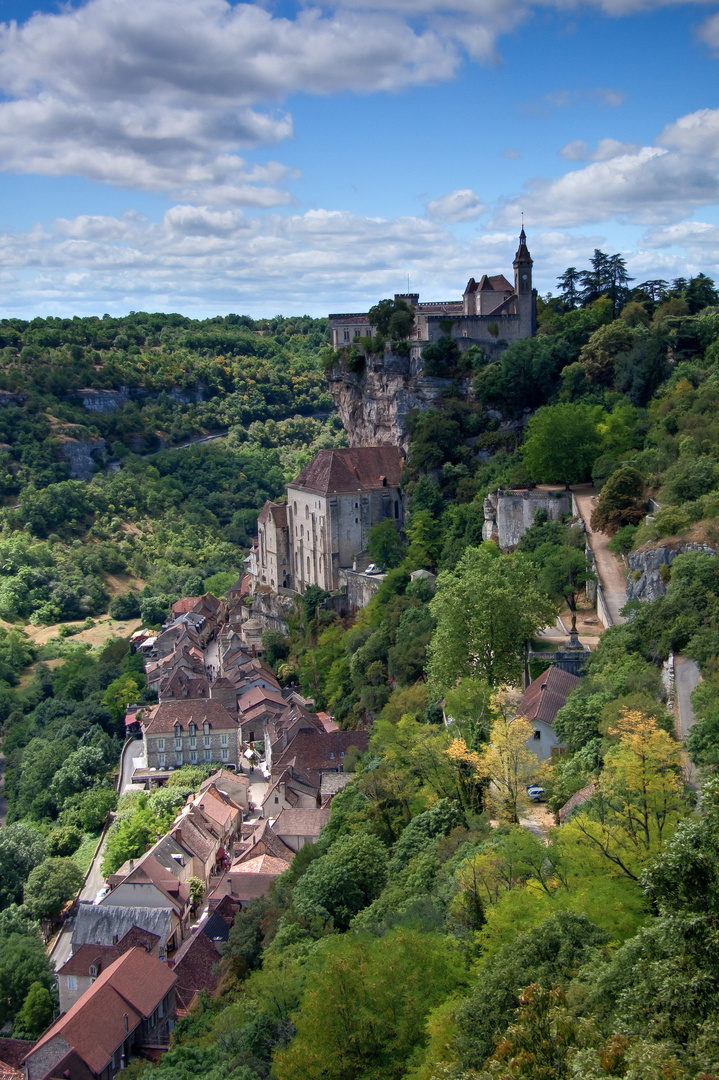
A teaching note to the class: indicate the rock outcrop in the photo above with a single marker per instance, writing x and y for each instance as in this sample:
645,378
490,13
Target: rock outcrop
82,455
646,579
373,404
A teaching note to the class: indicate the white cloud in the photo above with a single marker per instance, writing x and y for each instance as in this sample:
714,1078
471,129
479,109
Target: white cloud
461,205
650,184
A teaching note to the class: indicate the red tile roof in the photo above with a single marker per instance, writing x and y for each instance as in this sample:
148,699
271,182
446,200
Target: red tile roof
544,697
101,956
363,468
163,717
321,751
94,1027
194,963
301,822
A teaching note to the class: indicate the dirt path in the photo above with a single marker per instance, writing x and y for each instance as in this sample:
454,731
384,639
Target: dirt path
104,629
611,569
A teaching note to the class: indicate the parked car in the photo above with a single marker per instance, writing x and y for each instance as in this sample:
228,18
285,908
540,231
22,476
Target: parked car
536,793
373,569
101,894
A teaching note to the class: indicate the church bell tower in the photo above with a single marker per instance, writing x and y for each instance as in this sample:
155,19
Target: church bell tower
526,295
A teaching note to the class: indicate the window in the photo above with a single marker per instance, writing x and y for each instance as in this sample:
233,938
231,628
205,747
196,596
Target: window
193,730
72,982
208,755
206,740
307,511
308,565
277,798
331,754
225,755
396,509
347,335
223,740
178,731
178,744
342,753
356,521
252,736
356,506
161,760
193,756
193,743
206,727
178,758
160,744
93,971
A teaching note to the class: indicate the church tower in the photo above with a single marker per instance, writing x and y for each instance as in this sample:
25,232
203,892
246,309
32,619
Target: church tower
526,295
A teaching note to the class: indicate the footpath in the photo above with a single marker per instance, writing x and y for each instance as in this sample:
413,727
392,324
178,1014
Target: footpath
610,568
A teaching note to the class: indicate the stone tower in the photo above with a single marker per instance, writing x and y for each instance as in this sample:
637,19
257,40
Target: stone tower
526,296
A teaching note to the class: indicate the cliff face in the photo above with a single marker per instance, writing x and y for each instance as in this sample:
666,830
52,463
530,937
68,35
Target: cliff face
82,455
373,404
645,581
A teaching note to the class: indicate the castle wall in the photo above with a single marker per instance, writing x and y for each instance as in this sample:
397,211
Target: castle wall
509,514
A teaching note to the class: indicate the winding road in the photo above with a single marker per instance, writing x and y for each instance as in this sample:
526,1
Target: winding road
610,569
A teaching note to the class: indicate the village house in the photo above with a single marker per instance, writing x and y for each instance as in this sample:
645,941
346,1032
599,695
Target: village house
177,733
89,961
492,312
130,1007
150,884
299,827
331,507
106,925
540,703
195,966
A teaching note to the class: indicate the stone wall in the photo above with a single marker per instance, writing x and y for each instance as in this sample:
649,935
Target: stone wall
508,514
272,609
359,589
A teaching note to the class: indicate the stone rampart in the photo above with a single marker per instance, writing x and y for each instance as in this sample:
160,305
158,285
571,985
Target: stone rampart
510,512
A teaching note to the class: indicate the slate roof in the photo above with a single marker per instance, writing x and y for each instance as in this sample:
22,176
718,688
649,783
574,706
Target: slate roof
544,697
265,841
194,963
495,283
362,468
106,924
259,695
12,1051
94,1027
162,718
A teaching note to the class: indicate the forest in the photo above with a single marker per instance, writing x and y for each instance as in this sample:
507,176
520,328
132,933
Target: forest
428,934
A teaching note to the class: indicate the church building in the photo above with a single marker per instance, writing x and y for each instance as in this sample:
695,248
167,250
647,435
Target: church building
492,312
331,507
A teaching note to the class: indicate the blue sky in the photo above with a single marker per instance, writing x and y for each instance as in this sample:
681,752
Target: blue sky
207,157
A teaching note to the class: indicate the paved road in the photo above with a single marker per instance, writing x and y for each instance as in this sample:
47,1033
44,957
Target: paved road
611,569
133,750
95,881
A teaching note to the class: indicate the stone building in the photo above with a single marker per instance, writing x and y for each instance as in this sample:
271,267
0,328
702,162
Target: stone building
509,512
331,507
177,733
492,311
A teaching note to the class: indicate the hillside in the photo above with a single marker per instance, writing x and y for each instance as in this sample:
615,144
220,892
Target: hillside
444,925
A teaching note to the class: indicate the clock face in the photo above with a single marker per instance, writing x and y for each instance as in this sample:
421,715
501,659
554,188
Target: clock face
524,277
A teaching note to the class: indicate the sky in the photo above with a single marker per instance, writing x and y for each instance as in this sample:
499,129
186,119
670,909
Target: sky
209,157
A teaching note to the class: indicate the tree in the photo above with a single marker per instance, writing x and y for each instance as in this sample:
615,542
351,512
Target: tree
126,606
640,799
362,1014
50,886
505,762
381,315
155,609
197,890
35,1015
620,501
312,598
23,961
564,573
22,848
345,880
601,351
385,544
568,283
562,442
275,646
485,610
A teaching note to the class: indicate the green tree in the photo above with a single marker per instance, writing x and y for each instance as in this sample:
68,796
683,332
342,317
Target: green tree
35,1014
345,880
620,501
485,610
562,443
362,1014
385,544
275,646
50,886
23,961
564,574
22,848
381,316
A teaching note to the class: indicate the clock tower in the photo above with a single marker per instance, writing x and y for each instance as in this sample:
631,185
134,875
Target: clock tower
526,295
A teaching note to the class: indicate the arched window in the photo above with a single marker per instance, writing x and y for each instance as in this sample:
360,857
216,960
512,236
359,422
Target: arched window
308,566
307,511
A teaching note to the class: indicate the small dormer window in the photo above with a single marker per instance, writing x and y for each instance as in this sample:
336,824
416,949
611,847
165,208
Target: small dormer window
193,730
178,731
206,727
93,971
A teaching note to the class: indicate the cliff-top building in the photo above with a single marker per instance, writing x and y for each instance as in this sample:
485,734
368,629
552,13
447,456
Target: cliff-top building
491,312
331,506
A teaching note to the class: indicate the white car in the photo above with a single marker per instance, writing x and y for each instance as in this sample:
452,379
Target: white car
373,569
536,793
102,893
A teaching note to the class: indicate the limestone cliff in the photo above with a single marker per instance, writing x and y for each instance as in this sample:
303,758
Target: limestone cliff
373,404
647,578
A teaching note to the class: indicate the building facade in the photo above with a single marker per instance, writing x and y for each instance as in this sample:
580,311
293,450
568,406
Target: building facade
491,312
331,507
177,733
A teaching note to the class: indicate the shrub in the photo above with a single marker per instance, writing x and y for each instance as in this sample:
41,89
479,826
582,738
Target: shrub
671,520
